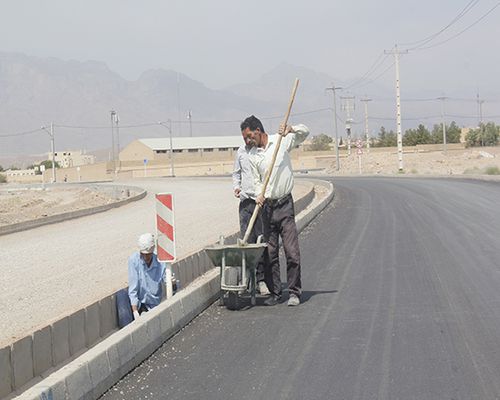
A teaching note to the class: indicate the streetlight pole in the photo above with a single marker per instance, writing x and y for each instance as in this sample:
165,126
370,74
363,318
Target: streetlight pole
53,149
333,89
190,116
169,127
117,121
112,114
443,99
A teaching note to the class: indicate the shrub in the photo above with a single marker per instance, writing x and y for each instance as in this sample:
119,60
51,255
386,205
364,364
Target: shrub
492,171
3,178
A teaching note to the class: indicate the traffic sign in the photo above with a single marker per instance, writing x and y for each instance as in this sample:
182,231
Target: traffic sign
165,230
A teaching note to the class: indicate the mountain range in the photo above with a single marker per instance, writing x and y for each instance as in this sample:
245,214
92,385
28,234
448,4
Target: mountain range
78,96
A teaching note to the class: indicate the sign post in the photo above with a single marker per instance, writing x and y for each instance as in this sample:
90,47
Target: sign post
165,233
42,170
145,163
359,145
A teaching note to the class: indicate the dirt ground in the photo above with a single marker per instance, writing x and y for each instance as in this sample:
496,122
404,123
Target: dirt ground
454,162
24,205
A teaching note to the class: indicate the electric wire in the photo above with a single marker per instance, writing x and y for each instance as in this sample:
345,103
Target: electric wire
22,133
428,39
419,48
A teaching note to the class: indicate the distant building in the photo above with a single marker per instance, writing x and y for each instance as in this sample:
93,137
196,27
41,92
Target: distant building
73,158
186,148
11,173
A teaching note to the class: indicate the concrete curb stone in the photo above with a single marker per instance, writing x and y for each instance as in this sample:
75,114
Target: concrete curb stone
6,376
60,340
42,354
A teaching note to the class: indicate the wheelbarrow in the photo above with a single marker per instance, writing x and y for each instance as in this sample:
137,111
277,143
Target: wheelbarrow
238,265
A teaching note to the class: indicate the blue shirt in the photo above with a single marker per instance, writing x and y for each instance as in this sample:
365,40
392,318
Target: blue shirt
145,284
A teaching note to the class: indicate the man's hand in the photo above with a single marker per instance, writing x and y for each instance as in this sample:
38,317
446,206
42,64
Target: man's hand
136,315
237,192
260,200
285,130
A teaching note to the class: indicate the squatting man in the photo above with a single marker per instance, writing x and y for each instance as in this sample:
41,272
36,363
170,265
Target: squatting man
146,276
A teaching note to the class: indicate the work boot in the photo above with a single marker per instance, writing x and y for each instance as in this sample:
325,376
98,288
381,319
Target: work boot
272,300
263,290
293,300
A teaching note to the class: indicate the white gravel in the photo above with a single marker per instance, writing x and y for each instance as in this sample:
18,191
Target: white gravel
53,270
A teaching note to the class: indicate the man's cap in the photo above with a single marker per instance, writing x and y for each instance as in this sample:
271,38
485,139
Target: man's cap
146,243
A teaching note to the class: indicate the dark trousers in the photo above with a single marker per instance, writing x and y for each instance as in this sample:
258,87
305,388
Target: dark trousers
279,220
246,209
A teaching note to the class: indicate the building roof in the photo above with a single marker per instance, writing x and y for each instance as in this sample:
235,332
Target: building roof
182,143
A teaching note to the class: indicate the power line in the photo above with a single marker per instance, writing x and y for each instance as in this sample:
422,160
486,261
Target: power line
428,39
459,33
377,63
22,133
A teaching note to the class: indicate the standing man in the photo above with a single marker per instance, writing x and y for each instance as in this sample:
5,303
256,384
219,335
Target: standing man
146,276
243,187
278,208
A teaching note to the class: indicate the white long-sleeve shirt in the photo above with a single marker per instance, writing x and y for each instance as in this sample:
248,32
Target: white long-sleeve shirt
242,174
281,181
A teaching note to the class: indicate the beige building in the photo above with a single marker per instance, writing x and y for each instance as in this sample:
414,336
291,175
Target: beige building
72,158
184,149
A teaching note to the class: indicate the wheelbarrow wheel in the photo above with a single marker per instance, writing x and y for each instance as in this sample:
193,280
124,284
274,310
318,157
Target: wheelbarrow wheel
232,301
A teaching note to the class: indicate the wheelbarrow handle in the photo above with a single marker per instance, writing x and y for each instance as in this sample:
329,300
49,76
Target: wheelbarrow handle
273,160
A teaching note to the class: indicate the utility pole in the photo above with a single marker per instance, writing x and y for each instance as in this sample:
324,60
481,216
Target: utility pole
443,99
367,135
117,121
52,149
190,116
179,102
396,53
480,110
348,121
112,114
169,127
333,89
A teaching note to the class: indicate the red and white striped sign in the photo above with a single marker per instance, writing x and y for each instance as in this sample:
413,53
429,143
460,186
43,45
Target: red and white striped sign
165,231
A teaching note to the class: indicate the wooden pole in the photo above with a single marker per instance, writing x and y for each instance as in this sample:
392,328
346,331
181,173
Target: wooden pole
273,160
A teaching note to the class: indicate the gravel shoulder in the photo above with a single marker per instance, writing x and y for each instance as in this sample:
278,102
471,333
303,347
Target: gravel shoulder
53,270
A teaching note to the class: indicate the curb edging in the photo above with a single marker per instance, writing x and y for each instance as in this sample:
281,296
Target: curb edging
23,226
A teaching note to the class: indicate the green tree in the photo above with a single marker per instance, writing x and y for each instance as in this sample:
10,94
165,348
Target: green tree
48,164
386,139
321,142
1,169
453,133
486,135
421,135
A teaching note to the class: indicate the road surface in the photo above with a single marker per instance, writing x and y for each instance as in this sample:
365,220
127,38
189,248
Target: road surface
401,300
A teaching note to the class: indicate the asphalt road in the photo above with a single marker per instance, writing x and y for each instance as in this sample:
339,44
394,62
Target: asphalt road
401,300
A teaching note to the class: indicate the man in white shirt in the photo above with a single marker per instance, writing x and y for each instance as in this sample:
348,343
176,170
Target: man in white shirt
278,208
244,189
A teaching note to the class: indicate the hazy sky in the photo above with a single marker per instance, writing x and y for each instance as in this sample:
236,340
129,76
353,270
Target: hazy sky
222,42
